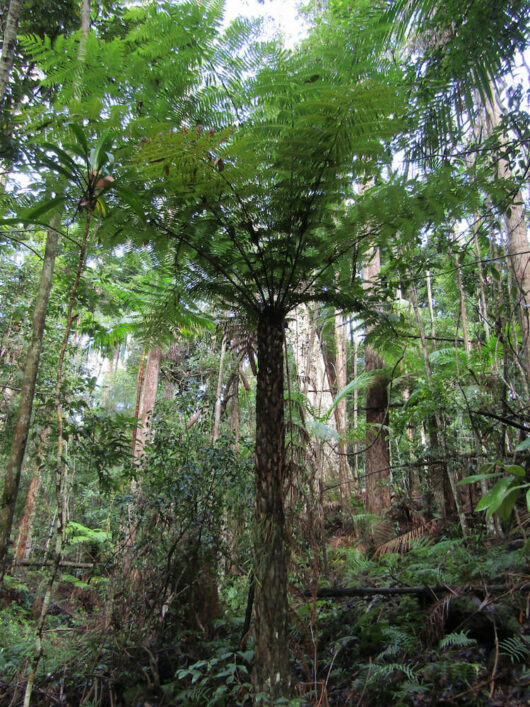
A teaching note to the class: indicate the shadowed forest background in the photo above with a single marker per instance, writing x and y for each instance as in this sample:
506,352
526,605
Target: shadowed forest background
264,355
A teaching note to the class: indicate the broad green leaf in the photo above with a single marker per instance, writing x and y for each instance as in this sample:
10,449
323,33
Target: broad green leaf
30,215
477,477
515,469
56,167
64,157
525,444
100,154
495,496
80,135
506,507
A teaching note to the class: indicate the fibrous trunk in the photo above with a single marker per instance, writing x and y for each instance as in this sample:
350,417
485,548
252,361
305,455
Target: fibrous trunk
270,545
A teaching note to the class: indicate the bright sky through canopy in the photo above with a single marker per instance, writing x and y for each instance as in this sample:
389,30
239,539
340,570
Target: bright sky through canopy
277,14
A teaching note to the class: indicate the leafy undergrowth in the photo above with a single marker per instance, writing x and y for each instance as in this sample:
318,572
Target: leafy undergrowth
466,645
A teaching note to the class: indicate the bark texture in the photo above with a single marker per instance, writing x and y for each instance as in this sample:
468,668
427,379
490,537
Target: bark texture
315,385
142,435
8,45
377,448
341,418
148,397
271,666
377,456
219,391
20,436
517,237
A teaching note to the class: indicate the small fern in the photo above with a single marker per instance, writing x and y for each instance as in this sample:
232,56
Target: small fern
397,642
463,672
457,640
382,672
516,648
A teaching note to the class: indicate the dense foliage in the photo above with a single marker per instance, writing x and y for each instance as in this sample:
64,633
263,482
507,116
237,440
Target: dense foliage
264,355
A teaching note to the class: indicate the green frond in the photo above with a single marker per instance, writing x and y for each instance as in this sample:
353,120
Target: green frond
457,640
517,648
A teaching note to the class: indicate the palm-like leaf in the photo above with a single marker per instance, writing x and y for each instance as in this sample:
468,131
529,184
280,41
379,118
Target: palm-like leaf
262,199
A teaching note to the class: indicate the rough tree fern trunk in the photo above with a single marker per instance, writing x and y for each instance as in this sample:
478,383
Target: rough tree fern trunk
270,546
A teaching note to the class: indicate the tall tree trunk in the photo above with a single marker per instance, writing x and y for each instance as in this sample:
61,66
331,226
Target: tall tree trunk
438,435
147,402
314,383
518,250
23,539
377,455
431,308
219,390
8,45
341,416
271,658
141,435
60,471
354,353
483,303
20,436
139,386
463,309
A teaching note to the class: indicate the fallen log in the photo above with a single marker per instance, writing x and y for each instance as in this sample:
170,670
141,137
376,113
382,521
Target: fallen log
344,592
63,563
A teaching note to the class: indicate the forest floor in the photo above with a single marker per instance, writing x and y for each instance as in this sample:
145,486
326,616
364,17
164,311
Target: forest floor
465,641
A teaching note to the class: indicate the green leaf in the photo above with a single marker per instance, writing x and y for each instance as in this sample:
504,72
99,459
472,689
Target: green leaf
508,502
100,154
477,477
80,136
495,496
63,156
132,200
525,444
55,166
363,380
516,470
321,431
31,215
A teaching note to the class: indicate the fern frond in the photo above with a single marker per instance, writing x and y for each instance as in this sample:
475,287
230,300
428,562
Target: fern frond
383,672
517,648
404,541
457,640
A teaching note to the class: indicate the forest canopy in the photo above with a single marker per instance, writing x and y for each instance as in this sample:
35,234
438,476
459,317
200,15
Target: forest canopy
264,354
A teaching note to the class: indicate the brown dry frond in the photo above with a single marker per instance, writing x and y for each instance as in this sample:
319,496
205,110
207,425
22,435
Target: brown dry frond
403,542
381,533
433,629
